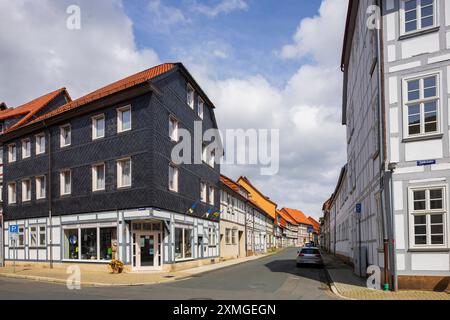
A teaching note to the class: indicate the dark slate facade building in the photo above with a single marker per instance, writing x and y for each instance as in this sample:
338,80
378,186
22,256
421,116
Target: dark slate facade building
93,179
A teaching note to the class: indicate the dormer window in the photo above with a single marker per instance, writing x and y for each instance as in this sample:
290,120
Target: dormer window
190,96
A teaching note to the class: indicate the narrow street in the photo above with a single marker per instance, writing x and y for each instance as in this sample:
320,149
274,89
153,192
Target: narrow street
272,277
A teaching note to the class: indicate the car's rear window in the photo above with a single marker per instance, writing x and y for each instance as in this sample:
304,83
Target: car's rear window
310,251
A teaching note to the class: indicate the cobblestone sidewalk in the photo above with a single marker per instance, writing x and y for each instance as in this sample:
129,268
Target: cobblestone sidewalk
347,285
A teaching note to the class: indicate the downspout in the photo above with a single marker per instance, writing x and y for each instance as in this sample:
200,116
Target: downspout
49,184
386,197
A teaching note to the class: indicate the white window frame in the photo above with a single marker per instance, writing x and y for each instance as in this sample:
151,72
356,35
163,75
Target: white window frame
12,153
173,188
95,176
203,192
183,251
39,183
190,101
24,193
427,212
38,145
21,233
62,182
62,141
212,240
26,152
12,197
94,126
421,102
38,233
211,191
120,183
200,107
418,18
173,131
120,112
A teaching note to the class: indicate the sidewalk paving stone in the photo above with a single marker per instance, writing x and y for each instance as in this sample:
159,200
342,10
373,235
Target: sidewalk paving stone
347,285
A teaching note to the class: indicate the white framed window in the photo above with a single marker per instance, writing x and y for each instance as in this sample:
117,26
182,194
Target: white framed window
12,193
124,119
98,177
37,236
65,136
428,217
417,15
173,178
234,236
203,192
173,129
40,187
190,96
12,153
21,238
124,173
65,178
26,148
227,236
200,107
422,105
212,158
183,243
212,241
40,143
98,127
204,154
211,195
26,190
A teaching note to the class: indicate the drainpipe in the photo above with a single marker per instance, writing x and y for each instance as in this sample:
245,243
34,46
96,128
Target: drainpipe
49,184
386,197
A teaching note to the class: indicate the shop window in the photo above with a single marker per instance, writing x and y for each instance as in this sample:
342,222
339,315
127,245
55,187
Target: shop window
107,237
183,243
88,244
71,248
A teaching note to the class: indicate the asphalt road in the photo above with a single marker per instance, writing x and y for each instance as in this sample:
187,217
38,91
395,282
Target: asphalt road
272,277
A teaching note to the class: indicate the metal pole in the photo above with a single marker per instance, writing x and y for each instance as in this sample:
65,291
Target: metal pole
15,256
359,231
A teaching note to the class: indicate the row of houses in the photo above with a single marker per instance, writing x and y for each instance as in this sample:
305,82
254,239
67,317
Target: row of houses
391,202
93,179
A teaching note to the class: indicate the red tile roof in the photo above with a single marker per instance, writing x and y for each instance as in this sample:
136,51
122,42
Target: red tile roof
229,183
282,220
287,217
297,215
29,109
115,87
315,224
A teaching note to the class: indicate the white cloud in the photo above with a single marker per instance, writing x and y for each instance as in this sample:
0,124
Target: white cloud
224,6
307,110
320,35
164,17
39,54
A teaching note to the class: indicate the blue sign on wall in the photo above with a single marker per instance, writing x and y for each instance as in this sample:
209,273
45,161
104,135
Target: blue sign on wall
310,229
425,162
358,208
14,228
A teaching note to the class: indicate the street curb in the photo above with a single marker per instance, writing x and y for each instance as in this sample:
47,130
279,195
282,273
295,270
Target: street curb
334,288
132,284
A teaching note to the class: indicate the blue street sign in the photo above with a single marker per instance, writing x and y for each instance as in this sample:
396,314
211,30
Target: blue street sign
14,228
358,208
425,162
310,229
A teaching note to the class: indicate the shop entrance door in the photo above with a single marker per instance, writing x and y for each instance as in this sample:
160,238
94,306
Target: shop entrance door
146,246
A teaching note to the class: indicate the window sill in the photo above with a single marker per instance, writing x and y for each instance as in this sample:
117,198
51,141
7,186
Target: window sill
430,249
184,260
418,33
423,137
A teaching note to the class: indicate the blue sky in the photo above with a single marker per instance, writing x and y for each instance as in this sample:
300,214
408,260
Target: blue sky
250,37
